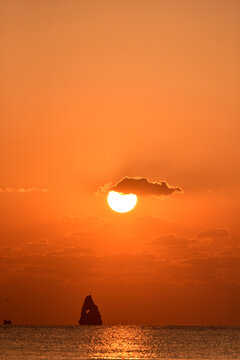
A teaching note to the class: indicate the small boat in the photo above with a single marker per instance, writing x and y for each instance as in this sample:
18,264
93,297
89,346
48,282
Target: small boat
7,322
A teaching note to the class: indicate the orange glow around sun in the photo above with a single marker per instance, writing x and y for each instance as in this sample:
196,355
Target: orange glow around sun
121,203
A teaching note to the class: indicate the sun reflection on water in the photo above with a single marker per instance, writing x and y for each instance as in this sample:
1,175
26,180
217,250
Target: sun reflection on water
123,343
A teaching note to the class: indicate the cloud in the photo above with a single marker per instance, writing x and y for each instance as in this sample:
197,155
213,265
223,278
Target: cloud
71,218
213,233
141,186
103,188
171,241
218,262
23,190
73,251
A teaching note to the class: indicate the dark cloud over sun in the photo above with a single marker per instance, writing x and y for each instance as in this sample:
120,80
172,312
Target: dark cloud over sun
143,186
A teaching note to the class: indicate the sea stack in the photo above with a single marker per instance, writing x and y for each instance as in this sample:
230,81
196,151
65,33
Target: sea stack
90,314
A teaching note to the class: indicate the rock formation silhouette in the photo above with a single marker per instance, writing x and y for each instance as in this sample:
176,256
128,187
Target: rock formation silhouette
90,314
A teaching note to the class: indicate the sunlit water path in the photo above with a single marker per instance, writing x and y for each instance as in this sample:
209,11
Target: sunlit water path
118,342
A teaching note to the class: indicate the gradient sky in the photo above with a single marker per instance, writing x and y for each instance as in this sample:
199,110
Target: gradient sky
91,92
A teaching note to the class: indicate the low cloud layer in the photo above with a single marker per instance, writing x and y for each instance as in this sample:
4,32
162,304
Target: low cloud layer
143,186
157,263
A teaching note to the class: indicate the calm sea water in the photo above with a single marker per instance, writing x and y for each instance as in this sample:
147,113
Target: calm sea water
118,342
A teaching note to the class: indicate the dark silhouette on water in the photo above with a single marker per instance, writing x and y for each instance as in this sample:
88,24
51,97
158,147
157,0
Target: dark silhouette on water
7,322
90,314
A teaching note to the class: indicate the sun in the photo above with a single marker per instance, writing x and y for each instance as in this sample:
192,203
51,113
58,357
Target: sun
120,202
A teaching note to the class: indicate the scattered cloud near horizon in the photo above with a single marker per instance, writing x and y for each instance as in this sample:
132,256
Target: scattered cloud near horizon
141,186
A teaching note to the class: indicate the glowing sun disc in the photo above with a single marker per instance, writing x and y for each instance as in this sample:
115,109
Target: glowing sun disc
121,203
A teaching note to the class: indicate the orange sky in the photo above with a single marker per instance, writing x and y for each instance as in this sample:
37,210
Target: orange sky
91,92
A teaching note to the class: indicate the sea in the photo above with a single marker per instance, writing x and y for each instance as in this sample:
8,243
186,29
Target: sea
118,342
